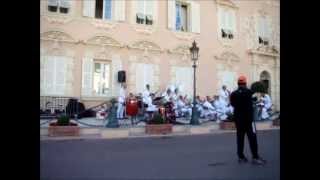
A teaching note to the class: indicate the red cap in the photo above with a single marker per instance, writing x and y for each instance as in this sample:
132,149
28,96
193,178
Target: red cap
242,80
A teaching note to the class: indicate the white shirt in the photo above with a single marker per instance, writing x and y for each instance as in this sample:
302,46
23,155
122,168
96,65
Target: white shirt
122,95
267,101
145,96
224,95
208,105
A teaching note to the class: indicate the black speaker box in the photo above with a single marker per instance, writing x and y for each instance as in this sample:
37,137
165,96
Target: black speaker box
121,76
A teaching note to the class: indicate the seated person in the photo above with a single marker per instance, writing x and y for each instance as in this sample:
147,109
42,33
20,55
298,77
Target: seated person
208,109
151,107
221,108
182,108
265,104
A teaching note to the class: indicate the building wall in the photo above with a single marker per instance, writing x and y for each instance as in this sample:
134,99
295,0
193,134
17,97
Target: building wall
75,36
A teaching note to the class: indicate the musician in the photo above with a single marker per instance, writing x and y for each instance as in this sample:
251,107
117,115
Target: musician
167,95
222,108
224,94
208,110
266,105
182,108
146,94
121,101
176,94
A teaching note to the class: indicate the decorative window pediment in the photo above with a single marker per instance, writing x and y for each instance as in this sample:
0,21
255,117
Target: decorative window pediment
145,45
228,3
56,36
228,57
182,49
102,40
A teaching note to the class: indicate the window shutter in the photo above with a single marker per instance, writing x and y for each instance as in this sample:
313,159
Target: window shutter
140,84
53,2
43,75
88,8
87,76
116,66
195,17
233,21
65,3
228,17
268,28
69,76
120,10
140,6
60,75
50,75
149,76
149,7
260,27
178,17
171,14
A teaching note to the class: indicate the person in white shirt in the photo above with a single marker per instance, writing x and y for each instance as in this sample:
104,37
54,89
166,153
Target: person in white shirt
224,94
266,105
146,94
167,95
208,109
121,101
221,109
181,107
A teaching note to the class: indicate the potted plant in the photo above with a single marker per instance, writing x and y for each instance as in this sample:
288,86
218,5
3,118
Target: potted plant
63,127
158,125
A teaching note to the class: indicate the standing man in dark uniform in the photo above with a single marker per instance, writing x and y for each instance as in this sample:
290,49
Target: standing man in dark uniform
242,101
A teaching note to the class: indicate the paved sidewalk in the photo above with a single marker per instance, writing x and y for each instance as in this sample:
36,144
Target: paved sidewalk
136,132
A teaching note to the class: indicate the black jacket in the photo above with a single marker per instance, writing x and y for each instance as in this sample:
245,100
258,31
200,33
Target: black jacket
242,102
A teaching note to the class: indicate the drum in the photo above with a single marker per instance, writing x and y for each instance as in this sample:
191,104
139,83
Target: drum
132,107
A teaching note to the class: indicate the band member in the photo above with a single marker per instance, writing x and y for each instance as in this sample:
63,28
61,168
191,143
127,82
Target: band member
167,95
266,105
208,109
224,94
121,101
221,109
146,94
181,107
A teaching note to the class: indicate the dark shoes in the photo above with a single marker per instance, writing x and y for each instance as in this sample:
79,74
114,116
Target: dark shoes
255,161
243,160
259,161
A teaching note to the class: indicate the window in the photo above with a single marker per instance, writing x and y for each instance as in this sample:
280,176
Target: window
182,19
96,77
144,75
104,9
184,16
184,79
227,20
59,6
144,13
55,75
101,78
263,31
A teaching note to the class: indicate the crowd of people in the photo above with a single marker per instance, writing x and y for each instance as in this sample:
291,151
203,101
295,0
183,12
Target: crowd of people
216,107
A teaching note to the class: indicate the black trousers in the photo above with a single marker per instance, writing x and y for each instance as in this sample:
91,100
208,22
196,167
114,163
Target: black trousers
248,130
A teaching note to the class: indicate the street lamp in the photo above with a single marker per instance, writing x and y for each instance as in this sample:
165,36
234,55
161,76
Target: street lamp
194,50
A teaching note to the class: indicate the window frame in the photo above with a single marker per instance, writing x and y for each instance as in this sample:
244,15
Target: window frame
144,14
188,5
109,63
58,8
227,13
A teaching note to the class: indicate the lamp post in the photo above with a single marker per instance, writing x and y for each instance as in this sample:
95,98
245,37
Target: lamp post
194,50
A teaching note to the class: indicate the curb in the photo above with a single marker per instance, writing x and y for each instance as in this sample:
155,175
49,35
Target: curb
139,132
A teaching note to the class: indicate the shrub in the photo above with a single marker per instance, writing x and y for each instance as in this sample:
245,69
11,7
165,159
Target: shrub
63,120
157,119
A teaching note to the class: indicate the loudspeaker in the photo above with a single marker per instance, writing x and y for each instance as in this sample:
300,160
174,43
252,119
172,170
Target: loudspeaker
121,76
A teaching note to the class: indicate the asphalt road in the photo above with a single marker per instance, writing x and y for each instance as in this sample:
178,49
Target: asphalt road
201,157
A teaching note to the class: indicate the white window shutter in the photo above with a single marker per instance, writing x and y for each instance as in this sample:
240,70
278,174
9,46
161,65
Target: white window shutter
53,2
88,8
50,75
172,14
261,27
87,76
268,28
116,66
149,7
69,76
140,6
140,84
120,10
65,3
228,20
233,21
195,17
43,75
60,75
